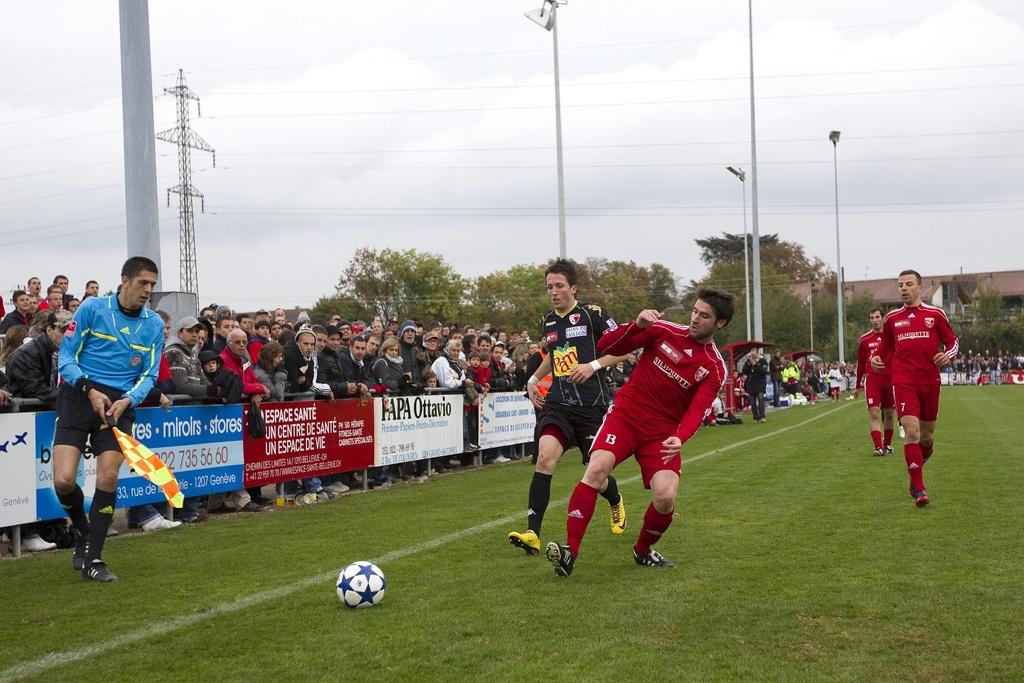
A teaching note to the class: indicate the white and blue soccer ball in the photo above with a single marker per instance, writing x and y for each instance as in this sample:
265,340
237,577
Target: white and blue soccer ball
361,584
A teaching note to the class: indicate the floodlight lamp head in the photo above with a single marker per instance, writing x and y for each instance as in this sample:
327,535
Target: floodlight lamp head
834,137
738,172
543,17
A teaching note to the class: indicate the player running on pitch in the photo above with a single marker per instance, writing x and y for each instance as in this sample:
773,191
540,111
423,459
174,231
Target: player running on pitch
668,396
572,410
109,362
910,347
877,386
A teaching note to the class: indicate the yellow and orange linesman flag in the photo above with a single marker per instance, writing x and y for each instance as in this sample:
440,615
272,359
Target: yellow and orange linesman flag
152,468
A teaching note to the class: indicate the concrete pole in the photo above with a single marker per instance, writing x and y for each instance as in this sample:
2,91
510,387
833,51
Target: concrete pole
140,191
562,252
758,326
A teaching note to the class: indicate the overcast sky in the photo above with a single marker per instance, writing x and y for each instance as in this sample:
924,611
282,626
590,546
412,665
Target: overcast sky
400,124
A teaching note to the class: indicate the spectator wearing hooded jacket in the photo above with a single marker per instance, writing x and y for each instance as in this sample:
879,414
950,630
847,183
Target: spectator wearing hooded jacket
329,364
181,352
300,362
410,352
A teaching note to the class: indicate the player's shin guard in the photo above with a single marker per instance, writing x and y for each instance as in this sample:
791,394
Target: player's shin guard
100,515
887,438
581,510
73,503
876,438
655,524
611,492
912,454
540,495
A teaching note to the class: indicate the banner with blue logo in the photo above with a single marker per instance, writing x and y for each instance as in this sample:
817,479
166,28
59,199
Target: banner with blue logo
202,445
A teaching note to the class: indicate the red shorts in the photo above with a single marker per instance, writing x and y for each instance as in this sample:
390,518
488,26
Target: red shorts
878,392
917,400
624,439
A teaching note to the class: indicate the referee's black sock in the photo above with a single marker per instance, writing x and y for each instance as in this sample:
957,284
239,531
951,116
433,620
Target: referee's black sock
540,494
100,514
611,494
73,503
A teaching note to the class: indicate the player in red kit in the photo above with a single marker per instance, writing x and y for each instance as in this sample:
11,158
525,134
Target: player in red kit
877,385
665,401
910,347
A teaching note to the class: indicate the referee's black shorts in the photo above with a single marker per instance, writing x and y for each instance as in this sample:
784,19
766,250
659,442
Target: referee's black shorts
578,424
78,424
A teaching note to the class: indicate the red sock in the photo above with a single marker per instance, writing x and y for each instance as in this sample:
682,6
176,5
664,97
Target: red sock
887,441
912,454
581,509
876,438
655,524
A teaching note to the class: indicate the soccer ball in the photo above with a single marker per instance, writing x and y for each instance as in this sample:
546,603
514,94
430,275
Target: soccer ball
361,584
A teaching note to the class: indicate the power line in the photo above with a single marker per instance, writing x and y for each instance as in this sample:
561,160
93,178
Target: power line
623,145
59,170
548,216
595,46
662,81
634,103
679,164
62,113
61,194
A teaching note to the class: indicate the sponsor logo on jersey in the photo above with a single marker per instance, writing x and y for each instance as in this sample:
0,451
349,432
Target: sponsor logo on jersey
135,360
911,316
675,376
669,351
70,329
576,331
688,352
929,322
611,324
913,335
701,373
551,338
550,323
901,323
564,360
574,318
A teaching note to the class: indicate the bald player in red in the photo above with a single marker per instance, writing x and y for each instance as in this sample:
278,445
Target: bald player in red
911,336
877,385
665,401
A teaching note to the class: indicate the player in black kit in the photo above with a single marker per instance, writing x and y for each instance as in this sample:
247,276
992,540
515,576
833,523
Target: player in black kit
572,412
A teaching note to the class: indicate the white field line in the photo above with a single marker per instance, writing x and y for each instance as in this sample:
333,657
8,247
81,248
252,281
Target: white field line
163,627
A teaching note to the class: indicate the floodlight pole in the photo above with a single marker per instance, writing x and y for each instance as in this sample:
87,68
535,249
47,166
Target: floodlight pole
810,302
739,173
840,318
758,326
558,136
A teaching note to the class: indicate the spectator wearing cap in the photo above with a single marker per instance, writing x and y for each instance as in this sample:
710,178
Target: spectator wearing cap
31,370
182,353
393,326
302,319
300,362
411,355
261,314
260,336
431,346
345,328
22,313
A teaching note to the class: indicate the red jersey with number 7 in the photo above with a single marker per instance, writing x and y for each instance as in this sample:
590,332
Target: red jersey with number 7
675,381
910,339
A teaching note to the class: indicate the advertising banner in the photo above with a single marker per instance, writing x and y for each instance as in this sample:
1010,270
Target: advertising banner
417,427
310,439
202,445
17,468
506,419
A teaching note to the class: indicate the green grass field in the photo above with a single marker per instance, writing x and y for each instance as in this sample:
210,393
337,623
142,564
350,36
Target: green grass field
801,557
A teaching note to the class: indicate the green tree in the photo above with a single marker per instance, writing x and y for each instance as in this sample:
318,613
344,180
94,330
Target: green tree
339,304
788,259
513,298
988,303
403,284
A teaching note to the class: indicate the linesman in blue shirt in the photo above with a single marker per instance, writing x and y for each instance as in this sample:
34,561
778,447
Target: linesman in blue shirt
109,361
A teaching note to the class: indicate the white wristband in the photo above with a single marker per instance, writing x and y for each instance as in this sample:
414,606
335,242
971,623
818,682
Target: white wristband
596,365
532,380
